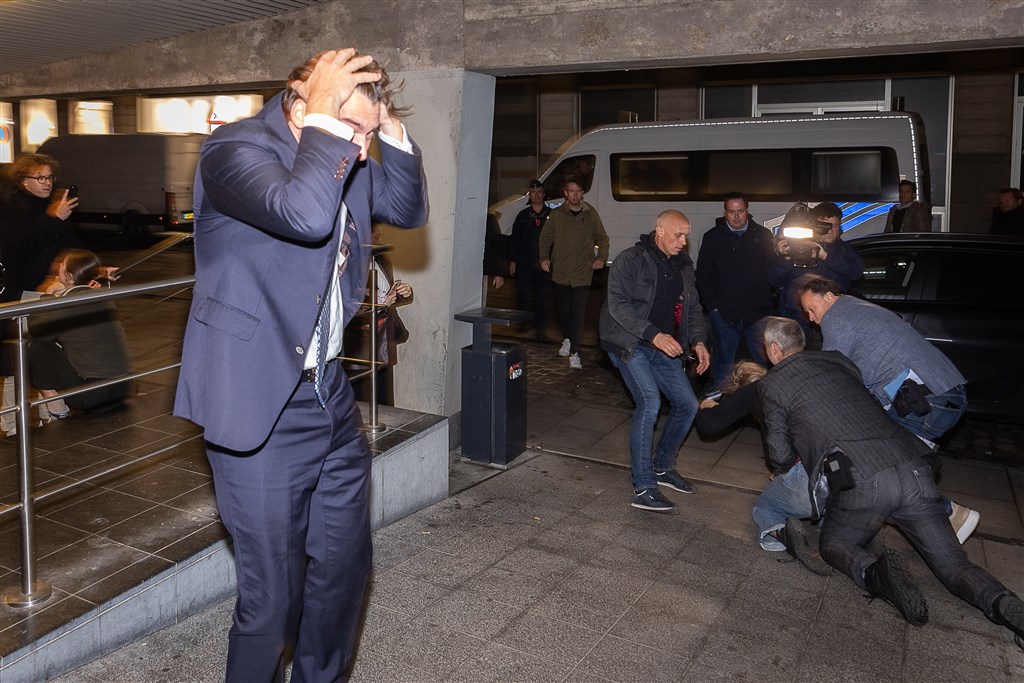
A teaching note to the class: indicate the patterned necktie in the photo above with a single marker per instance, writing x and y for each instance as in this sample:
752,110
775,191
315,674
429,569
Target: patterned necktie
323,323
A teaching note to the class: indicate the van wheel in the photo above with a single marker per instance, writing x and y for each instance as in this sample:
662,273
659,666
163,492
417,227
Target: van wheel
132,229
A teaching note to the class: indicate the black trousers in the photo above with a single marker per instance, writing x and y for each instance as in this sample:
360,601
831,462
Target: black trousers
572,307
533,287
49,369
298,510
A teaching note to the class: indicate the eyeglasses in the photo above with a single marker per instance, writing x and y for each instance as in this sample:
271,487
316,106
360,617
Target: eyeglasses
42,178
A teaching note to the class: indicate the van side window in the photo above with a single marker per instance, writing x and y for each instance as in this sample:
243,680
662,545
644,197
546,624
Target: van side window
581,166
887,276
753,172
846,172
650,177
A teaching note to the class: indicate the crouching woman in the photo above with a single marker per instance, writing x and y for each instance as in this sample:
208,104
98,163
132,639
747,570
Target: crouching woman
82,344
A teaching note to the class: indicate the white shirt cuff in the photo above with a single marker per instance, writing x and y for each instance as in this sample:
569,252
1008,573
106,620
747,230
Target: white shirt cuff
329,124
404,144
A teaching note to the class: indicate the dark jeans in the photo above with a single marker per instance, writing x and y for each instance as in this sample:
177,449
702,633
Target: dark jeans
49,369
906,494
727,340
572,307
533,288
649,373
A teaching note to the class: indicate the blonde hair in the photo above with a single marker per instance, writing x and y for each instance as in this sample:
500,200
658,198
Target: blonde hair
743,373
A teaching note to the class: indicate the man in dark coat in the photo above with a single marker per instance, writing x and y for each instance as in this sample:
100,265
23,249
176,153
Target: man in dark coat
732,276
816,408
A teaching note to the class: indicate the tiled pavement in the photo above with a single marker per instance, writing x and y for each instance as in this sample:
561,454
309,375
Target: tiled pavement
544,573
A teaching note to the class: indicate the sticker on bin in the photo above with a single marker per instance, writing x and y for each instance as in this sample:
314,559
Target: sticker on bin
515,370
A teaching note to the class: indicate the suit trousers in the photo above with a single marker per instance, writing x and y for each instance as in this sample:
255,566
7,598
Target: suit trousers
297,509
906,494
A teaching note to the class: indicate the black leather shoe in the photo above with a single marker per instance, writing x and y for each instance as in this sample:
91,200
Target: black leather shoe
887,579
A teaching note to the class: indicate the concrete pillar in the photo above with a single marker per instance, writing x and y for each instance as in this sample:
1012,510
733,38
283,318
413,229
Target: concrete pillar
452,124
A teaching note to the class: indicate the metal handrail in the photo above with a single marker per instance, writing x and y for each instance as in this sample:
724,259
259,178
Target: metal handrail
32,591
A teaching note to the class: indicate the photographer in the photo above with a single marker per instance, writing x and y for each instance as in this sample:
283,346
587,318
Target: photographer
824,255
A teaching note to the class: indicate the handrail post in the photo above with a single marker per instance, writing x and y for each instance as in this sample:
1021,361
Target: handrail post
374,425
32,592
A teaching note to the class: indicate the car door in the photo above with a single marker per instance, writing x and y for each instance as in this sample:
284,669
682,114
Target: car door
971,308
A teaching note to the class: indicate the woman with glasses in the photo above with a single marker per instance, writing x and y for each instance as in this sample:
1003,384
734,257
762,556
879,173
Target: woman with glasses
34,224
34,229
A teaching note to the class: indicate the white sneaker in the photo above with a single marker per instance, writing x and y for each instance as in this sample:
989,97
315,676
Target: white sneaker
574,362
564,351
964,521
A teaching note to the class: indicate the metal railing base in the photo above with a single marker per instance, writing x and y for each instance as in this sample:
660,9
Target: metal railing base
41,591
375,428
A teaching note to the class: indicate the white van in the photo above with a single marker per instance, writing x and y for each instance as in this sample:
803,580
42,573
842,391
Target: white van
131,180
632,172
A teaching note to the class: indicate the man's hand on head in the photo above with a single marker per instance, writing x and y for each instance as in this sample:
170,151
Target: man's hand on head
334,79
389,125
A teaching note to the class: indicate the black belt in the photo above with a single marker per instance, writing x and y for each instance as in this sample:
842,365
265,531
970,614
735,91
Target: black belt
310,374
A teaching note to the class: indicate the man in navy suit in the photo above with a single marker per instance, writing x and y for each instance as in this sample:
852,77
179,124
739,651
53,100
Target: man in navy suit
284,205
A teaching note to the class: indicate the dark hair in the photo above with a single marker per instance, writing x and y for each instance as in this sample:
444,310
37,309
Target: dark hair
382,90
785,333
820,286
736,195
826,210
913,185
81,265
1017,195
25,164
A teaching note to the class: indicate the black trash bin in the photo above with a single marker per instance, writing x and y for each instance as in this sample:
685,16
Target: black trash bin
493,389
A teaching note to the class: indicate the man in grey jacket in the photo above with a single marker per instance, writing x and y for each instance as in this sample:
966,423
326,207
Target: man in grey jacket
651,322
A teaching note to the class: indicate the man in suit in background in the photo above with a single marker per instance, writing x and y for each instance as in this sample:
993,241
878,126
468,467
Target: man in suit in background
284,205
816,408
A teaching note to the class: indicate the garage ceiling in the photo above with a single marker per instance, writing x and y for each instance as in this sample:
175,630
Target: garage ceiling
39,32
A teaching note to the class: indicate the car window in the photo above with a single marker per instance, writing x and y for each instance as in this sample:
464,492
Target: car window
887,275
980,277
581,167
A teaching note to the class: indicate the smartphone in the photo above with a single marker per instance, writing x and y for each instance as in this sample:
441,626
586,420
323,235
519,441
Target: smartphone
70,192
713,395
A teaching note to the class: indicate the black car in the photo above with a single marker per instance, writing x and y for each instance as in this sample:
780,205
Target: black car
965,294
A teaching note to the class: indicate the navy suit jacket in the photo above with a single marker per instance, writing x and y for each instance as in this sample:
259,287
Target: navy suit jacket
266,242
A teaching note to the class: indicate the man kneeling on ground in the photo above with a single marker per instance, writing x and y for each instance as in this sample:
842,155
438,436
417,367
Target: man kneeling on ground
816,407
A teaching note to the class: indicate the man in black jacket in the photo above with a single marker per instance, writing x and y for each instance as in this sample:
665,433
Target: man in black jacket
816,408
732,276
532,283
650,319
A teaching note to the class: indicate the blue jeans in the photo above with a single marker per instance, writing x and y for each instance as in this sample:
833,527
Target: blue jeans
947,409
727,340
906,494
785,496
648,373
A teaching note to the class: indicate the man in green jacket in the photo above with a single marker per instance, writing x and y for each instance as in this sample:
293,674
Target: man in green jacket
573,244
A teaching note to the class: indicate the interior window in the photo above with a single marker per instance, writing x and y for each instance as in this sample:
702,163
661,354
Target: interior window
650,177
886,276
581,166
